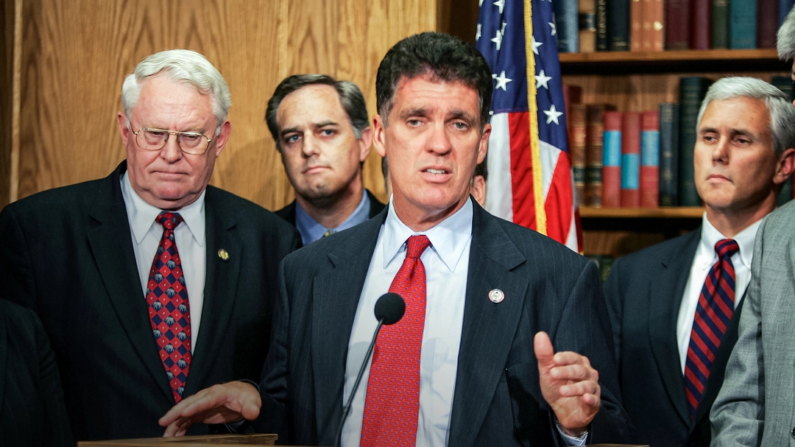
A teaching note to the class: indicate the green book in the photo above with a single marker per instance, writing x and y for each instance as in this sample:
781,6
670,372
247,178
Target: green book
692,91
720,24
784,83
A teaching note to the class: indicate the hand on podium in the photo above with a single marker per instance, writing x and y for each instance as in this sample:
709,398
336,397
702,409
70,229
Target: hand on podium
219,404
569,385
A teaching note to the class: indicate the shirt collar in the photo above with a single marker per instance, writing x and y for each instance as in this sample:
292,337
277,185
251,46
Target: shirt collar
745,240
142,215
448,238
311,230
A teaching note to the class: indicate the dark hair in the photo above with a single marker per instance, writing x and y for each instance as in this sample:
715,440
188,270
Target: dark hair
351,98
445,57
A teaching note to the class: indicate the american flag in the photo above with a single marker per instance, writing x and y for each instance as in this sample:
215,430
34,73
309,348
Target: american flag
530,181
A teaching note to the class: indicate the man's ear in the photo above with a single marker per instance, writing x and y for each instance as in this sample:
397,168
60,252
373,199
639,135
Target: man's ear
223,137
785,166
365,142
124,131
483,145
378,135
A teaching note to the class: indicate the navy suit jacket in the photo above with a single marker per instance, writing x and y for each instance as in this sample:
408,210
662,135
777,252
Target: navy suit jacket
32,411
644,292
497,398
67,253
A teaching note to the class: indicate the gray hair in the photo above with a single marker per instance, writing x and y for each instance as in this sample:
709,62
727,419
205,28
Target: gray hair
782,114
351,98
785,39
184,66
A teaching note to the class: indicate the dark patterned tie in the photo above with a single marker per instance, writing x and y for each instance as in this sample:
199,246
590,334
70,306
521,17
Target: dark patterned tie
392,404
169,309
713,315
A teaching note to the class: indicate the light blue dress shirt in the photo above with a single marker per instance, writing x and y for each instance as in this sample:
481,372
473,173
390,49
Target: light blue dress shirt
311,230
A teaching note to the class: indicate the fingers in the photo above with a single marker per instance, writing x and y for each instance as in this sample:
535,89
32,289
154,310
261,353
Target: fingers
544,351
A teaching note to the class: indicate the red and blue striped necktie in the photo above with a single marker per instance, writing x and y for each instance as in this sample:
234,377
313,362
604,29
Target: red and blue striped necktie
713,315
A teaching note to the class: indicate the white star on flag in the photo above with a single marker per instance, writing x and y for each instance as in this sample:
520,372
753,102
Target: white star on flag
500,4
477,34
551,25
498,39
502,81
542,80
535,45
552,115
480,3
502,30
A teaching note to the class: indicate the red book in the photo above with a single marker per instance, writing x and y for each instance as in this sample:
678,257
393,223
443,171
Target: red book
650,160
766,23
677,24
577,149
611,161
653,11
636,25
700,22
630,160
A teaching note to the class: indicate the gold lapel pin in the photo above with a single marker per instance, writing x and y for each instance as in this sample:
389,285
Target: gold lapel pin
496,296
223,254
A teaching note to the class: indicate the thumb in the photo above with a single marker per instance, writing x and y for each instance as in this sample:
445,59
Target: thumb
250,411
542,346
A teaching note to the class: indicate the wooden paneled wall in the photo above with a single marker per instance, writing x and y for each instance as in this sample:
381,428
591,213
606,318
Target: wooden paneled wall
74,54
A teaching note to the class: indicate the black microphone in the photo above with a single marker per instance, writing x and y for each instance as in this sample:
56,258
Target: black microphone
389,309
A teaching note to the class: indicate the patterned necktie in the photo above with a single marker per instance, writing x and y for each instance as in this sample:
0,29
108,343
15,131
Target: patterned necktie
392,404
169,310
713,315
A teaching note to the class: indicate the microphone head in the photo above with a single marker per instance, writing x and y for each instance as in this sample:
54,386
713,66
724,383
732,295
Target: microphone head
390,308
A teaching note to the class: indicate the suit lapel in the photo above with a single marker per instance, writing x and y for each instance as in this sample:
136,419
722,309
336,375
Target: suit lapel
665,293
336,295
488,328
111,245
219,288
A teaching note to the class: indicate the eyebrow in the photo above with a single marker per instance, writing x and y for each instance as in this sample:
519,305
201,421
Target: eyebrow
454,114
733,132
319,125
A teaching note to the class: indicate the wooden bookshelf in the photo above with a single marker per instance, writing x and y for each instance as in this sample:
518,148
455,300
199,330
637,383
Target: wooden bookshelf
627,62
642,213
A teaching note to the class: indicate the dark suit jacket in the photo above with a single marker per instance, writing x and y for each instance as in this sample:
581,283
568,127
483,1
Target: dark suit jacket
68,254
497,398
32,411
288,212
644,292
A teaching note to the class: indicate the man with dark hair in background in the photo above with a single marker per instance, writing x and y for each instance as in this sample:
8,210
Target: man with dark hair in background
150,284
322,132
675,306
472,361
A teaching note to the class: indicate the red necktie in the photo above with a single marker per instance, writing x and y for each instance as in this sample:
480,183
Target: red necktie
392,404
169,310
713,315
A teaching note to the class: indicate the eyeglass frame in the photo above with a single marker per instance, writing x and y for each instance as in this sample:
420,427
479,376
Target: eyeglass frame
168,135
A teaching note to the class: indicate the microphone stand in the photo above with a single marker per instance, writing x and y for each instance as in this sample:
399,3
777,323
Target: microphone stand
347,408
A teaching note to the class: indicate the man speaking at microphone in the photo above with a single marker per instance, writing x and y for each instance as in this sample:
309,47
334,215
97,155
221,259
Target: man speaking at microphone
488,303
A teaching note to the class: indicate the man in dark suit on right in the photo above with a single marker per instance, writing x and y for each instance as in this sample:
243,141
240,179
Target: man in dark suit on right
674,322
322,132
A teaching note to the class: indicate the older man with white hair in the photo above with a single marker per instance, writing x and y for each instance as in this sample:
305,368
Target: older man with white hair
151,284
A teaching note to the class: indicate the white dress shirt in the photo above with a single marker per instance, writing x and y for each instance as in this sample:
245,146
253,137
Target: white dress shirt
446,264
190,238
704,259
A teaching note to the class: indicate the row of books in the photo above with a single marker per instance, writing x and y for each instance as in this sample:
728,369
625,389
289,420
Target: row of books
640,159
586,26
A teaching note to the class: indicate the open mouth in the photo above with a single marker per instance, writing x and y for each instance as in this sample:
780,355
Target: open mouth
436,171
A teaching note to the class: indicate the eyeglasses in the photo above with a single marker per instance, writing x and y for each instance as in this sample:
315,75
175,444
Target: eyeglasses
150,139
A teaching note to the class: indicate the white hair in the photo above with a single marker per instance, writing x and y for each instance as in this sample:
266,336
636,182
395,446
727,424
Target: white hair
782,114
185,66
785,39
